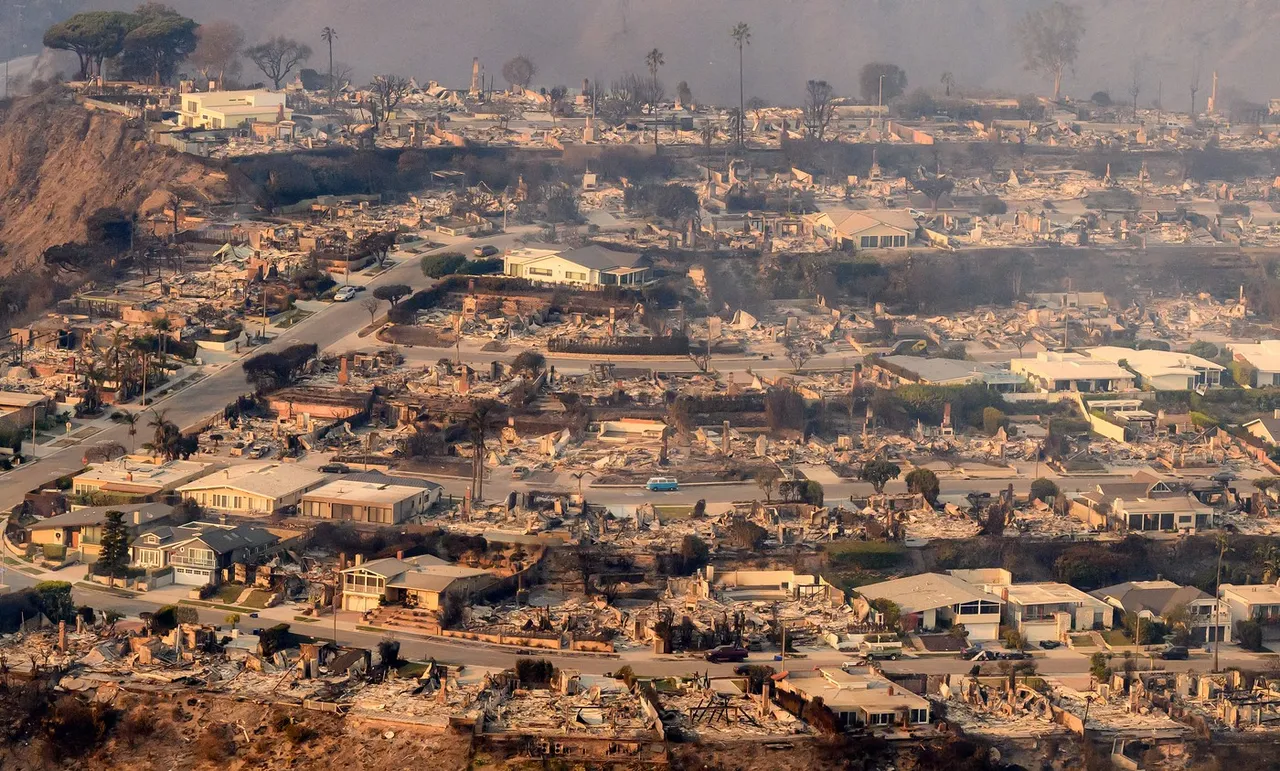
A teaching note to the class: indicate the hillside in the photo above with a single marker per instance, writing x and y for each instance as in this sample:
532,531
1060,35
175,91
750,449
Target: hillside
59,163
792,41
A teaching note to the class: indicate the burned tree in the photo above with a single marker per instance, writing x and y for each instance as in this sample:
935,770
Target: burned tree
818,108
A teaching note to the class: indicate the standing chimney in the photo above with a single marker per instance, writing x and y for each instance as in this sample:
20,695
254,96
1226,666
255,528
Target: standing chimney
343,375
475,76
724,439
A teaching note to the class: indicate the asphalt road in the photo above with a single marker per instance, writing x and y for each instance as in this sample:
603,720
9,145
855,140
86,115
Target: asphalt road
196,402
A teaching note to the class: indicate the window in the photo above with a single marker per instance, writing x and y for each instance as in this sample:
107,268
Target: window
574,275
919,716
868,242
881,718
538,271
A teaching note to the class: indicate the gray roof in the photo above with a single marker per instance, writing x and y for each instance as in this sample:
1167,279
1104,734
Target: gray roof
597,257
379,478
97,515
1159,599
220,540
939,370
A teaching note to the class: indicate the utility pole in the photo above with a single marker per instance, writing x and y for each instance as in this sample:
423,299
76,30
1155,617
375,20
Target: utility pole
1217,601
880,105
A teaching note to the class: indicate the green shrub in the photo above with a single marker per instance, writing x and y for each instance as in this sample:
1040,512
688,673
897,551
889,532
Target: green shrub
443,264
865,555
54,552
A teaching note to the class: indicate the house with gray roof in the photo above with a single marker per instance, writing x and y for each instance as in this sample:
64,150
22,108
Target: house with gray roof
199,552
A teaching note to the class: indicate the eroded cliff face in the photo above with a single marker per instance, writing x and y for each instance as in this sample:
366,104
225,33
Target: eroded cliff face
60,162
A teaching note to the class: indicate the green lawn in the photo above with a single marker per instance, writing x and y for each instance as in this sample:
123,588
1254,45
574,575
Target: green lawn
672,512
257,599
228,593
1116,637
1082,641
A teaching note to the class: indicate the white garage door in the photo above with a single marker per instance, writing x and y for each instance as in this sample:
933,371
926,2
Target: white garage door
191,576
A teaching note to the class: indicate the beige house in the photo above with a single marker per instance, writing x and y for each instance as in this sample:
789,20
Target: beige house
589,266
137,475
865,229
859,700
371,497
415,582
232,109
253,488
82,528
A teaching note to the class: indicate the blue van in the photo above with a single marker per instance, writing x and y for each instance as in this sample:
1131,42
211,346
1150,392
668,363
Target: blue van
662,484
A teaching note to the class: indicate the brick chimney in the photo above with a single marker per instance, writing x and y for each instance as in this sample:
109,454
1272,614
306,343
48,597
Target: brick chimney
343,375
464,381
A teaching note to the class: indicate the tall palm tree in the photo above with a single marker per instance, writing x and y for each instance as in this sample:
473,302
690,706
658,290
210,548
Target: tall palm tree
478,425
741,35
130,419
162,326
654,60
328,35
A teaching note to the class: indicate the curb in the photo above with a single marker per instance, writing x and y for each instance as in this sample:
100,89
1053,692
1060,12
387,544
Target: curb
490,646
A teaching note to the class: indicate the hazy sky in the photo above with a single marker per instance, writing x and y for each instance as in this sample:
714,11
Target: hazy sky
793,40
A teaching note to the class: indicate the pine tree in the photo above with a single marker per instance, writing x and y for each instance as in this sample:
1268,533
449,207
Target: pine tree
114,554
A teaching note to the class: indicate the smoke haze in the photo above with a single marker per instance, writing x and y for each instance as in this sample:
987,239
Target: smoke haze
792,41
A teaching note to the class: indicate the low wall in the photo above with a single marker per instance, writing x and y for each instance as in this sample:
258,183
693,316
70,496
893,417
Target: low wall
595,646
502,639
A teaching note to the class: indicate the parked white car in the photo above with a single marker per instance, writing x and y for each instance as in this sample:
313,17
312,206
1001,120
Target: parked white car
344,294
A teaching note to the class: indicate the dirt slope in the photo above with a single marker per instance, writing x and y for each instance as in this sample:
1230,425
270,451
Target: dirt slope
60,162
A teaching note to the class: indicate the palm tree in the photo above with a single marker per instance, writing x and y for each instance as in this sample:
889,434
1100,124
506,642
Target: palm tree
654,60
328,35
130,419
478,424
162,326
1269,559
741,35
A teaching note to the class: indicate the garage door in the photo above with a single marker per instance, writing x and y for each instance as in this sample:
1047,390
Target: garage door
190,576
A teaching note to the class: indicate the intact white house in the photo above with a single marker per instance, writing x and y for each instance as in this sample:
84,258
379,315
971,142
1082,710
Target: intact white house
1263,356
931,601
590,266
1163,370
232,109
253,488
1067,371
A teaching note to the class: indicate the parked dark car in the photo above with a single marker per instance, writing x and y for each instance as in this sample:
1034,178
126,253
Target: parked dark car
1049,644
334,468
1175,653
984,656
489,250
1015,655
968,653
727,653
